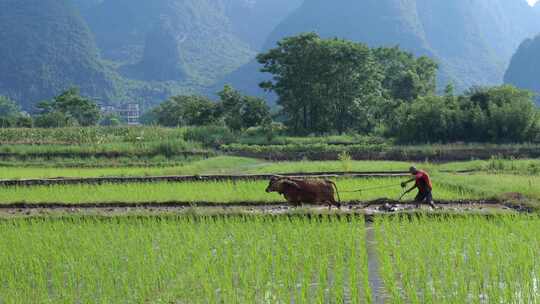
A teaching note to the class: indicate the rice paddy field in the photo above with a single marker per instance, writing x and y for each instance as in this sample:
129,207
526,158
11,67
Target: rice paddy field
459,259
184,260
216,192
418,256
279,259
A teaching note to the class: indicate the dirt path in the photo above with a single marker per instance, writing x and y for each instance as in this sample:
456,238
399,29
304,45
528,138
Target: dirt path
375,280
366,208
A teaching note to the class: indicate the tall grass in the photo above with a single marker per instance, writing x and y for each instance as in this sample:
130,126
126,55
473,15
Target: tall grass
460,259
183,260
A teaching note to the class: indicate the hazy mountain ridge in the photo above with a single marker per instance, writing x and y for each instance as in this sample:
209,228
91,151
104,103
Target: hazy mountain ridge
524,69
472,40
146,50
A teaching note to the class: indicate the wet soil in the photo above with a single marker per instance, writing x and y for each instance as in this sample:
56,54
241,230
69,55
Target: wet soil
362,208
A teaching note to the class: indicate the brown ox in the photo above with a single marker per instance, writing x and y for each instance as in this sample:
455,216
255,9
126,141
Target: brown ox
298,191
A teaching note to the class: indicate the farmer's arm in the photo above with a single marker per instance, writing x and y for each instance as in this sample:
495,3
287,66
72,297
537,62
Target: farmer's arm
404,184
411,189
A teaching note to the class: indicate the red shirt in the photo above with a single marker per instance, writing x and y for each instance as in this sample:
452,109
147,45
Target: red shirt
423,181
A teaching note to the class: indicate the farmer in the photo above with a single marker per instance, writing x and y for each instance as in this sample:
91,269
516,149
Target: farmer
423,183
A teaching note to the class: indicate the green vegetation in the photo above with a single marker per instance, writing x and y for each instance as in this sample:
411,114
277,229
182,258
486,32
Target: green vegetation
459,259
89,135
384,151
68,109
337,85
235,111
216,192
184,259
11,116
489,185
388,92
498,114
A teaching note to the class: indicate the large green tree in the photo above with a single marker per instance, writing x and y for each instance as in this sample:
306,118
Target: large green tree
323,85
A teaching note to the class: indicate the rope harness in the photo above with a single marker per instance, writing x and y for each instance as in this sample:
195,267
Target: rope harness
371,189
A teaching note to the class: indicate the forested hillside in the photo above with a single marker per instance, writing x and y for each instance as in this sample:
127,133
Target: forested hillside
45,48
472,40
146,51
524,69
168,39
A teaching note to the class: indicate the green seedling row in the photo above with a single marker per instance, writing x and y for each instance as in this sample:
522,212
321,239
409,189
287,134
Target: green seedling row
217,192
241,165
184,260
470,259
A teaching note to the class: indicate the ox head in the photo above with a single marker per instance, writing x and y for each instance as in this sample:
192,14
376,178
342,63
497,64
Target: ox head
279,184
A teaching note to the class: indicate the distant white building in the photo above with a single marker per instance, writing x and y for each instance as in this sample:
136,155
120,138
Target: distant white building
128,112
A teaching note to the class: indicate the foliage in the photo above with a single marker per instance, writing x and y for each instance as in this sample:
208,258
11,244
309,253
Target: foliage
497,114
323,85
210,136
241,112
54,119
68,109
186,111
406,77
10,114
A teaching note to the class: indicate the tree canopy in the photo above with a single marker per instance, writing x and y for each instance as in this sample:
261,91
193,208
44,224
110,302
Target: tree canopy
327,85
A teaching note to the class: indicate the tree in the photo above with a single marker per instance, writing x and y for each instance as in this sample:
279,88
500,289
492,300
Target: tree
497,114
71,105
425,120
323,85
406,77
186,111
241,112
54,119
9,112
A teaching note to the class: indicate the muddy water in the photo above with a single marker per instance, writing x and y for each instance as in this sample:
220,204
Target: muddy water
375,280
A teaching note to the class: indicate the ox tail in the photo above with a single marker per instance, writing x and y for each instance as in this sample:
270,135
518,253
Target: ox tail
337,191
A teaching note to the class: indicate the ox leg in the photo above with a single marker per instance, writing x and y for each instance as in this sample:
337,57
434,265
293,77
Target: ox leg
338,205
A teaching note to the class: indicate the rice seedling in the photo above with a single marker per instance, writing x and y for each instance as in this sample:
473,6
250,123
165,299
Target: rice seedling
490,185
470,259
218,192
184,260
